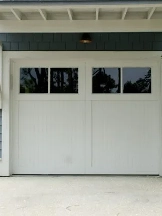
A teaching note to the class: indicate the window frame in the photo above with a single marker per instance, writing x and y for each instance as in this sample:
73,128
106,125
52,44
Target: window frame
155,79
50,96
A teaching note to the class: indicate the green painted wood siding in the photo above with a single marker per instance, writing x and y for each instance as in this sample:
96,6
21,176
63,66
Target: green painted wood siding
151,41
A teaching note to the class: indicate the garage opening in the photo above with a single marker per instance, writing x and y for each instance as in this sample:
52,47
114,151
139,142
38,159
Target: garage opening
85,117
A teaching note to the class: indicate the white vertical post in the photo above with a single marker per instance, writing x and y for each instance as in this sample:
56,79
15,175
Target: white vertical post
49,80
160,149
1,75
5,68
121,80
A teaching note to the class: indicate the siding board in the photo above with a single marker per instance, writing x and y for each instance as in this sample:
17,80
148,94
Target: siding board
120,41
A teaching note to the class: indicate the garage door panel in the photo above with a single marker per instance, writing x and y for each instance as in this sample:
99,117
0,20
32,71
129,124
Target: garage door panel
51,137
96,117
125,137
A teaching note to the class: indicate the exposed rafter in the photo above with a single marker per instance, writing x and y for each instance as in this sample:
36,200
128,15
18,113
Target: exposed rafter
124,13
97,13
150,13
17,14
70,14
43,14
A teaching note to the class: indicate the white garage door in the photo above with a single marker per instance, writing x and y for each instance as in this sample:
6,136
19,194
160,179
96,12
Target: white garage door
85,117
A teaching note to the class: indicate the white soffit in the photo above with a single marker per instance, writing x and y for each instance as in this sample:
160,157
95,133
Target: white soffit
81,18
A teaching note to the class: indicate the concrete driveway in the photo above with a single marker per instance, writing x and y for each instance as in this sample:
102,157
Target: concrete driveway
80,196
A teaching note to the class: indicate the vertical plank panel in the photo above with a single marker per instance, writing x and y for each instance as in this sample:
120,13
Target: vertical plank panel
125,137
51,137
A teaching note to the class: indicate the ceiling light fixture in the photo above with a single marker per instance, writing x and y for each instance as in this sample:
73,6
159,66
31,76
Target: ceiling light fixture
86,38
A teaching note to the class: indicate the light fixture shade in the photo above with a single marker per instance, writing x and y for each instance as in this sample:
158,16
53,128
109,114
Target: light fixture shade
86,38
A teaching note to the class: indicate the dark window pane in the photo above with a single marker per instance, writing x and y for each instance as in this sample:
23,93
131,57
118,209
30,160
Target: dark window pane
106,80
34,80
64,80
137,80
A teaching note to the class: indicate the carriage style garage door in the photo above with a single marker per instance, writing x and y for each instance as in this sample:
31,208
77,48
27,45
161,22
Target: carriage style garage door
85,117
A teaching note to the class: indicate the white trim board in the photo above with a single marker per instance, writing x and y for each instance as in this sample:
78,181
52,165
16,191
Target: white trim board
82,55
81,26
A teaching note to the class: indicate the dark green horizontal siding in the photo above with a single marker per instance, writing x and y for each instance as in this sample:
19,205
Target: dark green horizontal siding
79,1
151,41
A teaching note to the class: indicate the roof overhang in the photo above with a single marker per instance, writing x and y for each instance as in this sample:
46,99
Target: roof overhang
118,2
127,17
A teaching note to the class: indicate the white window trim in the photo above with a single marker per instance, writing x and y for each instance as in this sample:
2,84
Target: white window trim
50,64
155,79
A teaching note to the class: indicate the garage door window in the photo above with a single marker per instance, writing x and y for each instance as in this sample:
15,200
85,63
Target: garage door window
34,80
121,80
136,80
64,80
106,80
